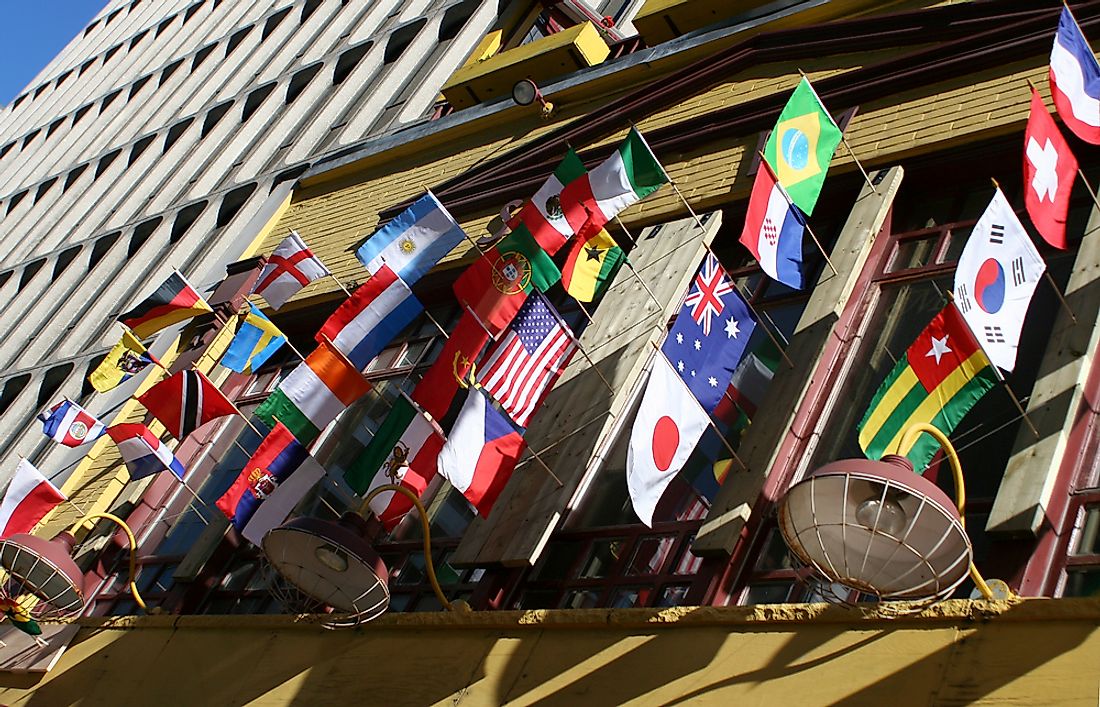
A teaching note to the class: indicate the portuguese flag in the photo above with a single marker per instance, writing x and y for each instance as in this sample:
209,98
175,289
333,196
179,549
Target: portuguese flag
591,266
496,285
801,146
942,375
173,302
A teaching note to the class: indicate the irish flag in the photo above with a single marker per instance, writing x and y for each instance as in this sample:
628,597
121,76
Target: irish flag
630,174
942,375
313,394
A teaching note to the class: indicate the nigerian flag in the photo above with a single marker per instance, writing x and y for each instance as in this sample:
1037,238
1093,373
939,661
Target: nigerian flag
801,146
941,376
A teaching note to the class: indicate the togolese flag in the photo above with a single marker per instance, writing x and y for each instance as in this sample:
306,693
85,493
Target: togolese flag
801,146
591,266
314,393
173,302
942,375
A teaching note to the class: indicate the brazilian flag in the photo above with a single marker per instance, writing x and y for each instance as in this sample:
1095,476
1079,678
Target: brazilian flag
801,146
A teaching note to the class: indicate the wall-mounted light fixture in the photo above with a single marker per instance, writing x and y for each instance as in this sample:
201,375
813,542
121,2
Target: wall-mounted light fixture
526,92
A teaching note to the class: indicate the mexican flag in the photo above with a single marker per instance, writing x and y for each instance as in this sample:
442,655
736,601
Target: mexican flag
496,285
544,215
801,146
630,174
942,375
591,266
314,393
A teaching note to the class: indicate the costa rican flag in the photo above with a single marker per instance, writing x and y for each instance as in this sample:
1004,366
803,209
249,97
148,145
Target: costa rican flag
1075,80
70,424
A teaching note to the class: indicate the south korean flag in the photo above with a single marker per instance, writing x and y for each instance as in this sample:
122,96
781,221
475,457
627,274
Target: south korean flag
994,281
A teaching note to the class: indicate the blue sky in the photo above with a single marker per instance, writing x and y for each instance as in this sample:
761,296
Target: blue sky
32,33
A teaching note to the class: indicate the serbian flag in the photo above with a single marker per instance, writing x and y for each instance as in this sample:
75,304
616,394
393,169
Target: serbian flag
173,302
186,401
70,424
666,430
1049,171
290,268
30,496
481,452
143,451
1075,80
267,489
436,390
369,320
773,230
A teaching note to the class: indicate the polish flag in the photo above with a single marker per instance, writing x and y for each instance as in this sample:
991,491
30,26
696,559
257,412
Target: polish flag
669,423
1049,170
30,496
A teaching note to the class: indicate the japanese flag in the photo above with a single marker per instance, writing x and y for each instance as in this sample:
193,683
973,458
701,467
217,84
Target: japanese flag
1049,170
666,430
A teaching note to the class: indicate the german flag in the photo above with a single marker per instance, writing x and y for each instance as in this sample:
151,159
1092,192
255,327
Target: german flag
172,302
591,266
942,375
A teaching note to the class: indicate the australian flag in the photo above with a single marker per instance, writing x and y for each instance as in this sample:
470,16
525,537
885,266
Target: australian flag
709,335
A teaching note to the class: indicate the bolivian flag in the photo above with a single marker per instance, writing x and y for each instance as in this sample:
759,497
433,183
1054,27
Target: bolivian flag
801,146
591,266
174,301
942,375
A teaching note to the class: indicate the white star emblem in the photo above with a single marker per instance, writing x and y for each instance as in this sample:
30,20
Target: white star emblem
713,382
693,374
679,337
1045,161
680,366
731,328
939,348
698,345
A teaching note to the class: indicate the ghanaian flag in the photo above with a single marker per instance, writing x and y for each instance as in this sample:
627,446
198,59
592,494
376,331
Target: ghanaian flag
591,265
20,617
173,302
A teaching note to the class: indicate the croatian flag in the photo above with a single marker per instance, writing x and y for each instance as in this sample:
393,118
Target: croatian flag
143,451
773,229
1075,80
70,424
368,320
414,241
481,452
30,496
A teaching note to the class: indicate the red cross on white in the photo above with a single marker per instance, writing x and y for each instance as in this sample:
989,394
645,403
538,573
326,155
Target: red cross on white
290,268
705,298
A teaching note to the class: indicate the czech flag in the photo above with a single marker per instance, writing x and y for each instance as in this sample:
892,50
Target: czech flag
1075,80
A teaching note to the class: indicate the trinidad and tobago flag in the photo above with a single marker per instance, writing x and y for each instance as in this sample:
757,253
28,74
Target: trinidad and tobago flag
172,302
186,401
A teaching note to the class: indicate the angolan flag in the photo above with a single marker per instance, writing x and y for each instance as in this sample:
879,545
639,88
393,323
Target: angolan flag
942,375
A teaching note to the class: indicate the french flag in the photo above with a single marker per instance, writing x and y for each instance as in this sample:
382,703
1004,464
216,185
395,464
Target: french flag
481,452
30,496
70,424
773,230
1075,80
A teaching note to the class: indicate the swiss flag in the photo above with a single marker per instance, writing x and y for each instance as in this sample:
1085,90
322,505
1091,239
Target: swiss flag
666,430
1049,171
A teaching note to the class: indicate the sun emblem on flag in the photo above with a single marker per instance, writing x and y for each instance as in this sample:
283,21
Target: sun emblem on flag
705,298
553,207
407,245
512,273
78,430
262,483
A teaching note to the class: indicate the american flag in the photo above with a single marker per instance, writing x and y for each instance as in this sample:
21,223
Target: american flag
528,360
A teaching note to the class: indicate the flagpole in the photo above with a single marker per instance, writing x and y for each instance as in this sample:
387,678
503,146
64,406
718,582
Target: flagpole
806,222
843,138
326,267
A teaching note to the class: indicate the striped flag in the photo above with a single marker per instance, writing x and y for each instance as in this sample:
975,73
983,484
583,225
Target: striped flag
528,360
256,340
314,393
942,375
173,302
185,401
290,268
143,452
592,264
368,320
70,424
30,496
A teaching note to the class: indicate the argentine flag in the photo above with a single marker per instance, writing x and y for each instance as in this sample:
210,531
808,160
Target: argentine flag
414,241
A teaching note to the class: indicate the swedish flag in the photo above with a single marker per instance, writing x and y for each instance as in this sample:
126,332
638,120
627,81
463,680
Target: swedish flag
801,146
256,340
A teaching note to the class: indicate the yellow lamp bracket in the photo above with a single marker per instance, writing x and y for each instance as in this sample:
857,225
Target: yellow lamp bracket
133,549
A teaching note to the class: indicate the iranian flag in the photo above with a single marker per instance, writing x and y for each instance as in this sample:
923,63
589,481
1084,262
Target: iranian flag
403,451
630,174
314,393
544,214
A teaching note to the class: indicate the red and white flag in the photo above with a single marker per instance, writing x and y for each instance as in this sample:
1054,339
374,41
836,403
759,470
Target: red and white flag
30,496
1049,171
666,430
528,360
186,401
290,268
